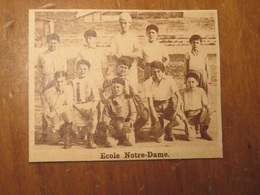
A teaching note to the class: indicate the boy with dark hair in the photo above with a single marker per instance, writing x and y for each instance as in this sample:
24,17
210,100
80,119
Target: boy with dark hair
119,116
86,98
95,56
196,61
52,36
164,103
57,109
51,61
195,105
153,50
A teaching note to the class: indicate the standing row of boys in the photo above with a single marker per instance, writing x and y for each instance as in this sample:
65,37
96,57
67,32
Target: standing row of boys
104,101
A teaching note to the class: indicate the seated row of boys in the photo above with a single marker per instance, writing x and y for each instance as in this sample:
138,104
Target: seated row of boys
117,111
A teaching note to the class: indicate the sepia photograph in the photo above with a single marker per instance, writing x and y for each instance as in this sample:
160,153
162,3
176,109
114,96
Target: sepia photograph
113,85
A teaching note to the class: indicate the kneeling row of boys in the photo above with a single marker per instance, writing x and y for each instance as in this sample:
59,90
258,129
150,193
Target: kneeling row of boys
117,122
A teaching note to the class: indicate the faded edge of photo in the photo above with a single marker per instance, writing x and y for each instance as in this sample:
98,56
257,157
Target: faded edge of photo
165,151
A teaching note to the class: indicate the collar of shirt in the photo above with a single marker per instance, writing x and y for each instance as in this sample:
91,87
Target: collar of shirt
153,42
59,92
52,52
117,101
123,32
163,78
125,77
195,52
191,90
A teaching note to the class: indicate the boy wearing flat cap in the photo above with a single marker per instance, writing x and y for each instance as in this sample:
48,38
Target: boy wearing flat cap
153,50
119,116
164,103
123,67
195,105
95,56
126,44
196,61
85,100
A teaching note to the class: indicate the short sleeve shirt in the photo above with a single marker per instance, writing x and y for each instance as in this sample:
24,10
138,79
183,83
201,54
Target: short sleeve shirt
51,62
154,51
193,99
125,43
164,91
58,101
95,56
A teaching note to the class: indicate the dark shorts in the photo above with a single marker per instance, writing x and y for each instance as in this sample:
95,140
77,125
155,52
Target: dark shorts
164,109
200,116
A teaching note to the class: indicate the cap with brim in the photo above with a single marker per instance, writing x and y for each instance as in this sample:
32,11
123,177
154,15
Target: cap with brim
118,80
127,61
125,16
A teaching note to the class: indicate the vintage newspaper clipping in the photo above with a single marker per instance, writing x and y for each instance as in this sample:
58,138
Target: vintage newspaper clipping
108,85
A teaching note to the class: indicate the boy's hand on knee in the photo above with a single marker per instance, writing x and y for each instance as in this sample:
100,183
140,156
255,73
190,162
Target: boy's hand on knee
208,109
111,130
127,127
156,126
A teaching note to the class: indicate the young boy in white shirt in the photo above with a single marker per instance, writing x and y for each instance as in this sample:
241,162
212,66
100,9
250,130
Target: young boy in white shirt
196,61
164,102
195,105
153,50
85,100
